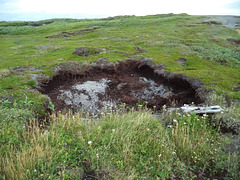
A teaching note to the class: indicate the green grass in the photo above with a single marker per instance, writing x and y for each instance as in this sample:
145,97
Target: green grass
120,145
166,37
113,145
125,145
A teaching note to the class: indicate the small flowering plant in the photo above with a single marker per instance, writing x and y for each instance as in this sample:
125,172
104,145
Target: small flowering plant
190,121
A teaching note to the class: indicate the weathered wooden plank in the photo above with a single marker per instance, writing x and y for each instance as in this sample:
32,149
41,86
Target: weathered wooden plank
201,110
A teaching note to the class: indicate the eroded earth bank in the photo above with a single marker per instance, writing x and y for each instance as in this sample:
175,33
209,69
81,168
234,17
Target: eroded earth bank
133,82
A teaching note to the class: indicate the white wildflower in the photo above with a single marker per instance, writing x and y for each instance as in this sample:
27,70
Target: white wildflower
89,142
46,132
113,130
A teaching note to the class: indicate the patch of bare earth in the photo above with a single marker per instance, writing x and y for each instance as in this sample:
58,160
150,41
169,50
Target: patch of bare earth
102,84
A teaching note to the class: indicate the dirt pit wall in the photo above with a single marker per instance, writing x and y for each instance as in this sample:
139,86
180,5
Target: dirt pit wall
133,82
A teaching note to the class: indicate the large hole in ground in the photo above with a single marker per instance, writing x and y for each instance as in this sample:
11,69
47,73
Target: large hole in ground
132,82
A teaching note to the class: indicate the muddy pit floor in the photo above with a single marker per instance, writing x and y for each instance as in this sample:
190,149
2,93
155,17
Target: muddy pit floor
133,82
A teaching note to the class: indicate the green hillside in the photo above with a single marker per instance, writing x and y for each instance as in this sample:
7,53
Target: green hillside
127,144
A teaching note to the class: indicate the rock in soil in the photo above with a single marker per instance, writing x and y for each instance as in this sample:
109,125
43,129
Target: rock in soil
86,51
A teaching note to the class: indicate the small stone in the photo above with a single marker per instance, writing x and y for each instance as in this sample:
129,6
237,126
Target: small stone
121,86
86,51
212,84
181,60
140,50
236,89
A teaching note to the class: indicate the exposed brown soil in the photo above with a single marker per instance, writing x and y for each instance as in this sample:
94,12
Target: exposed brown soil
212,22
107,84
234,41
80,32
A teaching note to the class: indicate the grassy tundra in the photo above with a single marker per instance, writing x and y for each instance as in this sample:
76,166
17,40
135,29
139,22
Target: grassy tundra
127,144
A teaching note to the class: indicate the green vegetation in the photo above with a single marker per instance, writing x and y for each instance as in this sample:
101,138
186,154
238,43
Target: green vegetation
123,144
129,145
210,56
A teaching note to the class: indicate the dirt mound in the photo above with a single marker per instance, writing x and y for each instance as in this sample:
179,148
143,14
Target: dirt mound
104,84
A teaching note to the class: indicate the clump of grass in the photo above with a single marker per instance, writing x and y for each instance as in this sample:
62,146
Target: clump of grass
229,119
217,53
194,139
4,72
